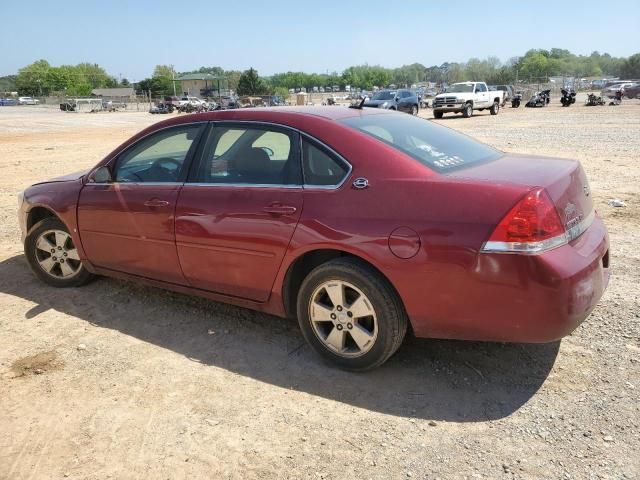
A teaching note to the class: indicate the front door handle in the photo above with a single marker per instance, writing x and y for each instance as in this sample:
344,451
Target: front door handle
279,209
155,202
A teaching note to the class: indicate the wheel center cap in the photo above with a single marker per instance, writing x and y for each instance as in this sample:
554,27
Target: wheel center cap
342,317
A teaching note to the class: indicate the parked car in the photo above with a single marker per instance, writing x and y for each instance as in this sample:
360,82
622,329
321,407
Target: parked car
508,93
171,100
195,101
410,223
632,91
465,97
5,102
401,100
611,90
28,101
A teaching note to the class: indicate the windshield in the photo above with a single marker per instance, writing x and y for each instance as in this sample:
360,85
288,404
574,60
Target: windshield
384,95
437,147
460,88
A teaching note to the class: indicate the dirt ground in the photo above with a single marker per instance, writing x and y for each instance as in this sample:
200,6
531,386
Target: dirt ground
120,381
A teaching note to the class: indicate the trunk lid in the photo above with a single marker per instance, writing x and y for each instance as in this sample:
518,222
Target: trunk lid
564,180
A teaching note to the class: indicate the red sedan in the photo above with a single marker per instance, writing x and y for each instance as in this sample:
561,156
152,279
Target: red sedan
360,222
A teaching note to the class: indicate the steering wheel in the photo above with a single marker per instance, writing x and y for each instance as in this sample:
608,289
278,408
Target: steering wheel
161,161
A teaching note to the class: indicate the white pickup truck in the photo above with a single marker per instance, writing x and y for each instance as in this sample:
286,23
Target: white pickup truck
466,97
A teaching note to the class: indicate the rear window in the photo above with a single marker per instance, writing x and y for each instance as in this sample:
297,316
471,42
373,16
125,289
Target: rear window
437,147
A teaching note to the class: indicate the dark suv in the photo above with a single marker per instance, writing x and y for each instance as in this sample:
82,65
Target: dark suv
401,100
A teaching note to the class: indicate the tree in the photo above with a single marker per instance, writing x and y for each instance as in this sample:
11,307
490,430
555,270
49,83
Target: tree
250,83
165,71
630,68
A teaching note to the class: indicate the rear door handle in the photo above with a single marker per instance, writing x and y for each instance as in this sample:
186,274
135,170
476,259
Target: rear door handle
279,209
155,202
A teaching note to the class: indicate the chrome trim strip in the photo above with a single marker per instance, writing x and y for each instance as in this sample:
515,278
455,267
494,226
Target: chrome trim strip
136,183
533,248
244,185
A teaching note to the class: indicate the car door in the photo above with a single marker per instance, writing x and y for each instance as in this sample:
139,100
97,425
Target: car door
239,208
127,224
482,95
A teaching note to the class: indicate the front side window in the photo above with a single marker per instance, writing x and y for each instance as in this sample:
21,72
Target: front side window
437,147
157,158
321,168
249,155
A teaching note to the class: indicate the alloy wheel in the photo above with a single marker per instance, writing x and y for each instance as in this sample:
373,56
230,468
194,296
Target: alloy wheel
343,318
57,255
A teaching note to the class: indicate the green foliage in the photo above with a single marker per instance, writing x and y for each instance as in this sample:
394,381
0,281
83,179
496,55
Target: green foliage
8,83
250,83
40,78
630,68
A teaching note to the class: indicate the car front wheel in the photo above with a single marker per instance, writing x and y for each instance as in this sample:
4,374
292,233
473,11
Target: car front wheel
414,110
52,255
468,110
351,315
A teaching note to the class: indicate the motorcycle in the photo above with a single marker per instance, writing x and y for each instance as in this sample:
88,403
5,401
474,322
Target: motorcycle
161,108
539,99
593,100
568,97
515,101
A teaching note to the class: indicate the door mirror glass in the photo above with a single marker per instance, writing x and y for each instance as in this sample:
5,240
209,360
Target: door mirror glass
102,175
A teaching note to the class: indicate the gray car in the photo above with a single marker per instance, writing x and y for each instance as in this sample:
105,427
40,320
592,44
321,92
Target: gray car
401,100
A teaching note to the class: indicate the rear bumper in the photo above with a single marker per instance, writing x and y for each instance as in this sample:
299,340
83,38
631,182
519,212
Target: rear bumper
518,298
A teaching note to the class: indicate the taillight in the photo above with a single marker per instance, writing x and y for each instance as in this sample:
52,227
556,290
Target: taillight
531,226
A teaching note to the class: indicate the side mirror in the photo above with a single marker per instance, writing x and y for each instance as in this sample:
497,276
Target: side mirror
101,175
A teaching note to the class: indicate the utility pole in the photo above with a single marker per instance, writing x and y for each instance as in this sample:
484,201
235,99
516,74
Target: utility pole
173,80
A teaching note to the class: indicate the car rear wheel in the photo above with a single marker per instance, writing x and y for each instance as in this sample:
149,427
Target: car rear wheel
437,114
414,110
53,256
468,110
495,108
350,315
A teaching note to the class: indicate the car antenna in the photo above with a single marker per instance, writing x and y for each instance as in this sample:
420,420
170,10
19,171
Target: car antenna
360,105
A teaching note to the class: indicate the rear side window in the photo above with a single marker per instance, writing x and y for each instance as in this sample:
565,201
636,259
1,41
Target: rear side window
320,167
249,155
435,146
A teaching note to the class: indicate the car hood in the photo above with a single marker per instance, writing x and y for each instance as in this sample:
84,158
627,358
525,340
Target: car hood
70,177
465,95
376,103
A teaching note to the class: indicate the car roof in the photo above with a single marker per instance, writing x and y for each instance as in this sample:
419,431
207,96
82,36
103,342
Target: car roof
286,114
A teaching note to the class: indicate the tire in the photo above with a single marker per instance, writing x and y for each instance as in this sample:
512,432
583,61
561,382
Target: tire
414,110
495,108
437,114
468,111
381,327
51,232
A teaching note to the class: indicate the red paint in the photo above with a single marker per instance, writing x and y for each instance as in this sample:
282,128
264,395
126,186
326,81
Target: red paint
421,229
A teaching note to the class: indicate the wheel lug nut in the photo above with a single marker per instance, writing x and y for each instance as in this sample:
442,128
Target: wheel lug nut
54,258
61,260
53,250
339,327
333,316
339,308
64,254
59,248
349,314
349,326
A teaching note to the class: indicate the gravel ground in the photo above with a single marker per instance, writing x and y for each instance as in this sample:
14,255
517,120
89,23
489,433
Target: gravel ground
115,380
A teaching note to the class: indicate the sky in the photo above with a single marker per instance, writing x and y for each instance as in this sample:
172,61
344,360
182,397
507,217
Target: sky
128,38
